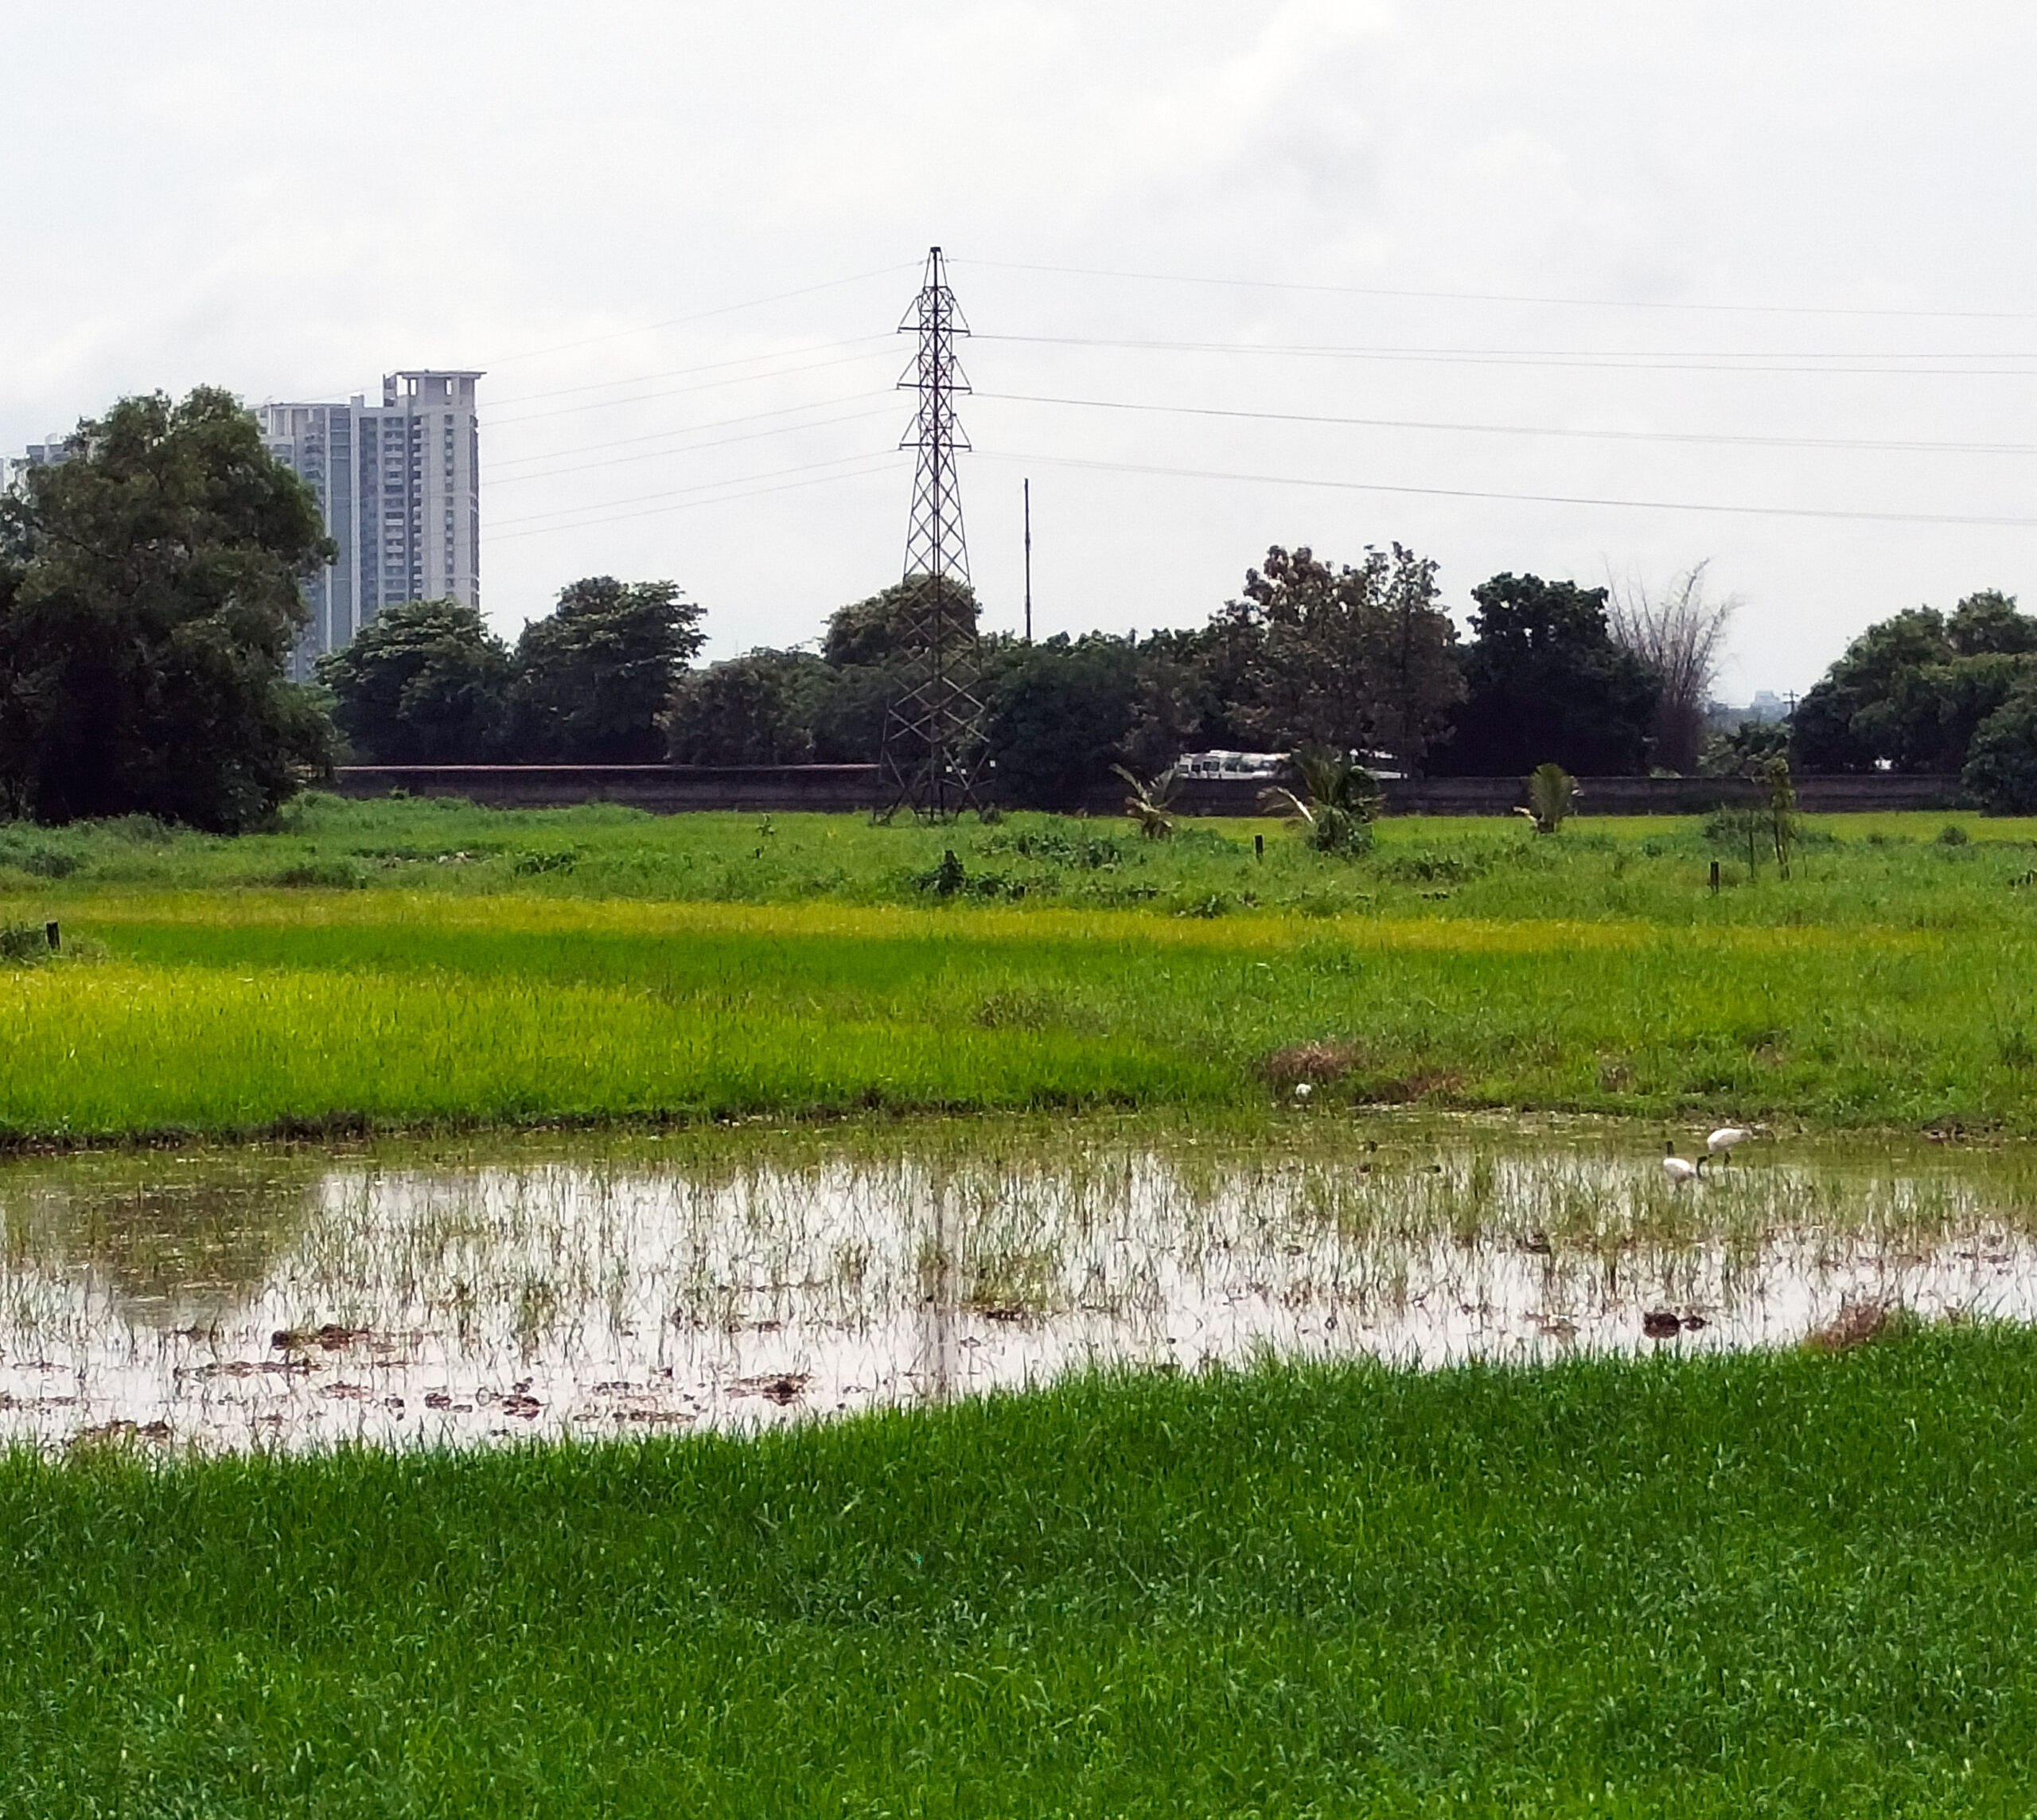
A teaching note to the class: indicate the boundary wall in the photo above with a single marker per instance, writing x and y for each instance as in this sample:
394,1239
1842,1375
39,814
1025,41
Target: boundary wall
667,789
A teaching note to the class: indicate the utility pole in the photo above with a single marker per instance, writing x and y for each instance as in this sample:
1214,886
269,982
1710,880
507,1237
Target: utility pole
933,737
1029,562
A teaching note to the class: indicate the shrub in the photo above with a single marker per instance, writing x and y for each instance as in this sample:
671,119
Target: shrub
562,860
24,942
318,874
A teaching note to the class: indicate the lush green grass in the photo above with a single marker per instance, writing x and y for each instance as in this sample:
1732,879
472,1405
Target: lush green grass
1767,1585
670,971
1854,868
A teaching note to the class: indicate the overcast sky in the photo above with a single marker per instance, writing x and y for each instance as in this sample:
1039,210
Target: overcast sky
1579,268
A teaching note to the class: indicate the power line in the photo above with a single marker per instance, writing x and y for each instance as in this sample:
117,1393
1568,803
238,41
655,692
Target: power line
1527,429
690,448
1518,498
686,372
881,464
702,315
669,322
682,390
682,429
1640,363
681,491
1510,297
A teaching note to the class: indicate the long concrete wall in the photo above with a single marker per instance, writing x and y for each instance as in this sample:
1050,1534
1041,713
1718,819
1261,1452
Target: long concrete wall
665,789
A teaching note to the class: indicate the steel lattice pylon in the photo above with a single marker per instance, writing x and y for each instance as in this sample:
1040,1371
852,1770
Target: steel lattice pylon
933,738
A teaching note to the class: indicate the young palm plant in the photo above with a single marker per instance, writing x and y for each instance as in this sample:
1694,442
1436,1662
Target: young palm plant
1552,790
1338,805
1783,828
1148,803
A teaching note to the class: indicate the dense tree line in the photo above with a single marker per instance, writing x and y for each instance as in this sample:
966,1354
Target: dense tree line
1351,658
1925,690
151,596
426,682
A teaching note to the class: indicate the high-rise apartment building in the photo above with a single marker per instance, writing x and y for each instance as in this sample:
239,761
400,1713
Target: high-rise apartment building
14,468
399,484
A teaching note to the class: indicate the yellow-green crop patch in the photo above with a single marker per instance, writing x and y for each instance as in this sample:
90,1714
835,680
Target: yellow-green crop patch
1885,980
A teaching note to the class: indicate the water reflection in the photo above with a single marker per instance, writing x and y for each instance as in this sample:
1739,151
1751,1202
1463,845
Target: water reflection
287,1299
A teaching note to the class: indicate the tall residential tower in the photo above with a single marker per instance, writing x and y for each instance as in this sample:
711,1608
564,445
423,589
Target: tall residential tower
399,484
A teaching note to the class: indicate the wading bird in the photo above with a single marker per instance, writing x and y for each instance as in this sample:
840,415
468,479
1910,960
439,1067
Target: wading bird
1721,1141
1680,1170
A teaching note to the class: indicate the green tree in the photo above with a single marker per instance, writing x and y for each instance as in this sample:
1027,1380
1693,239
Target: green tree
1744,750
1191,686
1911,691
595,675
1057,714
150,596
1346,658
756,709
1415,673
1989,624
425,682
848,719
1337,805
880,631
1547,682
2001,768
870,644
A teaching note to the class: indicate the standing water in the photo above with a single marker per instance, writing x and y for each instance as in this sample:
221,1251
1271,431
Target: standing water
293,1298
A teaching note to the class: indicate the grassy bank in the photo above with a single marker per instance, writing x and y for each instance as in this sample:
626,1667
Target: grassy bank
1767,1585
1893,979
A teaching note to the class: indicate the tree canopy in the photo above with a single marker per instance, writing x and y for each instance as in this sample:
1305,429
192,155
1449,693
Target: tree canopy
1912,691
151,597
2001,765
595,676
880,631
425,682
1349,659
760,708
1546,683
1059,714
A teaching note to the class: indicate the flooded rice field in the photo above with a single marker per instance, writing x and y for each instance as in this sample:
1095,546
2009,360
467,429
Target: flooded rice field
622,1286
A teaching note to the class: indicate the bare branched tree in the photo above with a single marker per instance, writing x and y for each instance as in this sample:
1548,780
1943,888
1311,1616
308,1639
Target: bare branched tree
1679,633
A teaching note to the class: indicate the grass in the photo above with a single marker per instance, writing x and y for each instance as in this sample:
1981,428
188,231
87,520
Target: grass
1765,1585
1854,868
669,972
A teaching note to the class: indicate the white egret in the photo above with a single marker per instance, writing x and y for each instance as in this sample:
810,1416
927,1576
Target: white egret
1721,1141
1678,1169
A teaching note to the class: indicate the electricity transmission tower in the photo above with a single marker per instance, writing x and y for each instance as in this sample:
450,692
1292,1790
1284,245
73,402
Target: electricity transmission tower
933,737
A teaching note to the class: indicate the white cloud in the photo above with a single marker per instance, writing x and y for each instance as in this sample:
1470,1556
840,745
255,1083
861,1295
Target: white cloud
290,203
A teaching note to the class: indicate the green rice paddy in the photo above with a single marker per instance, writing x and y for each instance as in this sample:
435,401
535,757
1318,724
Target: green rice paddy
1779,1582
436,965
1772,1584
